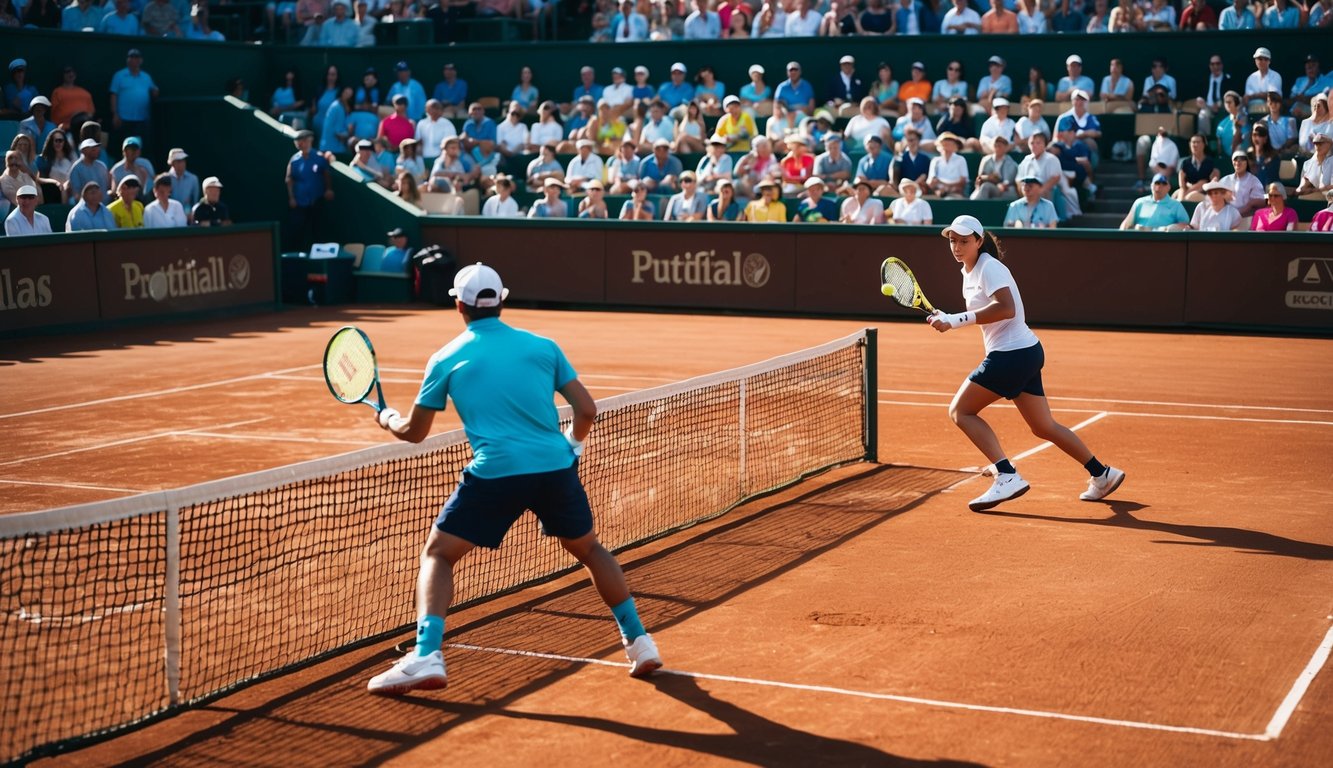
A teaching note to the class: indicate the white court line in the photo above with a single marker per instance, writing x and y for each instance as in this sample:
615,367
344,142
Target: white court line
82,486
1047,444
156,393
391,380
274,438
126,441
1129,402
1298,689
889,696
1137,414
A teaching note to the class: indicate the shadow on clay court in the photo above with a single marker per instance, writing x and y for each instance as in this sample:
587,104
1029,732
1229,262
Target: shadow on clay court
331,719
1240,539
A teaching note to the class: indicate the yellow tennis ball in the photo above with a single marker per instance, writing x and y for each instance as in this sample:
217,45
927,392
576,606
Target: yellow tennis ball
887,289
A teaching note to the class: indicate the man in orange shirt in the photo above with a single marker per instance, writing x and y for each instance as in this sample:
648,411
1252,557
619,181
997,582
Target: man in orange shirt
999,20
918,87
68,99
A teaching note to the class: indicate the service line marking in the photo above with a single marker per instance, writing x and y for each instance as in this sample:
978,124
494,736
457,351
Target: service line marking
1130,402
1136,414
81,486
127,441
939,703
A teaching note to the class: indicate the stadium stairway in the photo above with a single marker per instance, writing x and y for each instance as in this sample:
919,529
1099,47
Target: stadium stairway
1115,195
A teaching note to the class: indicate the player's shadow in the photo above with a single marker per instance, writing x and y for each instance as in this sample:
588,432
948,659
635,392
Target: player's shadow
1240,539
750,738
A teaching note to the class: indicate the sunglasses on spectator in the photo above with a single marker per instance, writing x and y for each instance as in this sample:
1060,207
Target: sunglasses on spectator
955,69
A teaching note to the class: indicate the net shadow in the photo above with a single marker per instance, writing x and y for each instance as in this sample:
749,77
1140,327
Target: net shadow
332,720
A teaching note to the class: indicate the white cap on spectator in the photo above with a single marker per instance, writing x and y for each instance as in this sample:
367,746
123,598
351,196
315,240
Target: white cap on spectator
89,144
917,101
847,60
678,67
999,102
39,100
918,65
1262,53
1319,97
1079,93
732,99
589,143
756,68
27,190
1074,59
661,143
965,226
176,154
995,60
814,181
641,68
1210,186
551,181
212,181
473,279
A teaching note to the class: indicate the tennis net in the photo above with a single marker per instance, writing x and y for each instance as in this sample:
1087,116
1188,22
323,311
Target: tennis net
117,612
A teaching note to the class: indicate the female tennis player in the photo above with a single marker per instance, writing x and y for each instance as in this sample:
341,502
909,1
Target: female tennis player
1011,369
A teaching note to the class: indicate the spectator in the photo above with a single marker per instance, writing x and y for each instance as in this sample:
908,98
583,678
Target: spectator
126,209
1044,166
643,92
551,206
133,162
87,168
840,19
1320,18
1247,193
1282,130
1067,18
369,167
657,127
816,128
909,18
690,130
957,122
578,124
1036,88
910,208
960,20
1264,160
845,88
23,144
583,168
594,205
1075,80
1317,173
547,129
629,25
999,20
79,15
184,185
56,159
1277,217
405,188
834,167
89,213
1158,210
340,31
1237,16
318,108
875,166
160,19
1215,214
1262,81
132,94
767,206
309,185
622,170
1160,77
709,91
804,21
676,91
397,256
1234,130
211,211
724,207
815,207
287,105
25,219
121,21
1031,211
703,24
164,212
780,125
337,133
544,167
1032,18
661,171
797,166
916,119
15,177
410,162
665,23
998,125
916,88
479,131
18,92
197,27
913,164
1219,83
1075,159
525,94
867,123
307,11
1087,127
1117,92
1318,122
1198,15
1099,21
796,94
512,136
736,17
619,95
771,21
885,91
451,92
69,99
688,204
36,126
714,166
995,85
638,207
1307,87
996,174
502,203
413,90
953,86
1126,17
947,176
875,20
1282,14
737,127
760,164
1160,154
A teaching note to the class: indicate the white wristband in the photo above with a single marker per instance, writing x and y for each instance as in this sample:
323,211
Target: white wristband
574,445
961,319
386,417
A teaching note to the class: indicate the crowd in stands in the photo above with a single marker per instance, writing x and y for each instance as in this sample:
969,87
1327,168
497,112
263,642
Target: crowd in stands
57,155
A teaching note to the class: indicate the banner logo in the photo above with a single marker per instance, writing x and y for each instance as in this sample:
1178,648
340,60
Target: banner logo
24,292
1314,279
186,278
702,268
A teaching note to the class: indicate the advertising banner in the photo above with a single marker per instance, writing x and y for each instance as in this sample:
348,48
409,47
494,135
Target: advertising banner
139,278
47,285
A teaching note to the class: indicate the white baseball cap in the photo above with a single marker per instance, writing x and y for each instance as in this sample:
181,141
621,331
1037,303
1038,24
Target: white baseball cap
756,68
472,280
814,181
90,144
1079,93
177,154
999,102
39,100
27,190
678,67
641,68
1074,59
212,181
964,225
847,60
1262,53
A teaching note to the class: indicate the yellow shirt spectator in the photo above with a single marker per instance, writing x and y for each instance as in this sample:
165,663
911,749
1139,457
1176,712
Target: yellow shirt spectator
737,130
127,216
765,210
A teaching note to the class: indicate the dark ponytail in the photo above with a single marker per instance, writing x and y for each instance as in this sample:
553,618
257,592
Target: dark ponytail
991,244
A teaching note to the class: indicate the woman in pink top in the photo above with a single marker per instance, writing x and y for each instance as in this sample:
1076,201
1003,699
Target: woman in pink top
1323,220
1277,217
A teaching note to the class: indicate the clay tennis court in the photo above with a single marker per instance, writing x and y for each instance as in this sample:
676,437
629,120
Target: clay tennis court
864,617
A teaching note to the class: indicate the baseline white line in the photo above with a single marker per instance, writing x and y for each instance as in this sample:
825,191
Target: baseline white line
126,441
1298,689
887,696
1047,444
82,486
1137,414
156,393
1130,402
275,438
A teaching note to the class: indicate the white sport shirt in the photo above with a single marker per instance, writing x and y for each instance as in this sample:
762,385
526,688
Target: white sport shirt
989,275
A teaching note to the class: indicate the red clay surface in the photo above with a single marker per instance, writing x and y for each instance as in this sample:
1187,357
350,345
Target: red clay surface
802,629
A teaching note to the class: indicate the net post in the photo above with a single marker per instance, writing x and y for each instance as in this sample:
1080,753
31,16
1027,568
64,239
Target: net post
871,416
741,422
171,606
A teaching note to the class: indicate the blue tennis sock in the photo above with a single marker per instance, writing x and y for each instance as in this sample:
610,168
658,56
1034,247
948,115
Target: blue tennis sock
430,634
628,619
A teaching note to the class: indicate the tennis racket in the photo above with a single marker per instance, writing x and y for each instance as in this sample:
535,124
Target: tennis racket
897,280
350,369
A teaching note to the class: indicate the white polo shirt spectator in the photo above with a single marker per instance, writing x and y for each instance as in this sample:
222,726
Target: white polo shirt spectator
25,219
960,20
997,126
433,129
1262,82
511,135
619,92
584,167
507,208
1317,172
804,22
1165,155
155,216
1207,219
916,212
1045,167
546,132
703,24
855,212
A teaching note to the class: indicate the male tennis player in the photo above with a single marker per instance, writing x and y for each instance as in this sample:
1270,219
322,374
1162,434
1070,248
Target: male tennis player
1011,369
501,380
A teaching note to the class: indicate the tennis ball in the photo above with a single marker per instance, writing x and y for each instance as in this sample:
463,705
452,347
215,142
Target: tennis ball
886,289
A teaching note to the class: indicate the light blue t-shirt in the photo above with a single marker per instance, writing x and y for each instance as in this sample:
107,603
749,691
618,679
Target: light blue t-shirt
1154,215
133,94
1031,215
502,381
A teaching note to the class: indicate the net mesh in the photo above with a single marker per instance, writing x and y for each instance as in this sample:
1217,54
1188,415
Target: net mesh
112,613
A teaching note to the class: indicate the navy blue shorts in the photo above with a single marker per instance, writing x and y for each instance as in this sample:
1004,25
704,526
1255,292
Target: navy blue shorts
1013,373
481,510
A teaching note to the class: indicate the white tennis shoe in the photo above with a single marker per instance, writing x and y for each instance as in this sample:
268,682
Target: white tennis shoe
1006,486
411,673
1103,485
643,656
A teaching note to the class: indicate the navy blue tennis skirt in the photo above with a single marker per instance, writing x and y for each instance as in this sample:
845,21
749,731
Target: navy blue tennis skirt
481,510
1013,373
